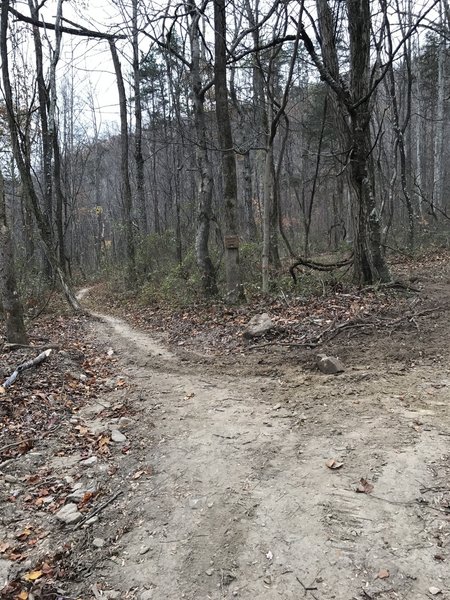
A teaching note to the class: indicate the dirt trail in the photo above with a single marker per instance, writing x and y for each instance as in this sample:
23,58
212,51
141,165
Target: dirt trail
241,503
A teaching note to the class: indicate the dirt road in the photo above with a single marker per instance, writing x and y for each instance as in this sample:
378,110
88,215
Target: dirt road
241,503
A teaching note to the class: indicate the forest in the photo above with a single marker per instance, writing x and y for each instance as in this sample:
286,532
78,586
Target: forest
224,300
247,140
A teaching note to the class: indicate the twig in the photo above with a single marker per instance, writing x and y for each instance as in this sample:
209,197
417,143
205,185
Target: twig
98,509
3,448
307,588
26,365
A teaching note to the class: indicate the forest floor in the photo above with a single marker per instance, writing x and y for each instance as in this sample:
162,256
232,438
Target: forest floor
203,466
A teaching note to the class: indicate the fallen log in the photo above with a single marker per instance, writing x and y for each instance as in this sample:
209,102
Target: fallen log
26,365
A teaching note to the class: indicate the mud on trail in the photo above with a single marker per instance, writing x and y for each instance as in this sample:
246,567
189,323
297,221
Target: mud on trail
222,476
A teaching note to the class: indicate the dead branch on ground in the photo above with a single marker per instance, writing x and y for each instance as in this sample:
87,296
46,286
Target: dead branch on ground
26,365
318,266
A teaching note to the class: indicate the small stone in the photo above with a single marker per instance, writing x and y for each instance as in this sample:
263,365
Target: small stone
98,542
209,572
144,550
112,594
10,478
69,514
90,522
79,491
434,590
258,326
146,595
88,462
4,569
118,436
330,365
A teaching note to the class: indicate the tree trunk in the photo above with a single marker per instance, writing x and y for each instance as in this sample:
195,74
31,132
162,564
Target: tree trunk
130,271
12,306
204,176
354,105
233,276
138,156
439,126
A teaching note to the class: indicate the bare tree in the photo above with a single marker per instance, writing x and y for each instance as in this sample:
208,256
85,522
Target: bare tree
12,306
231,239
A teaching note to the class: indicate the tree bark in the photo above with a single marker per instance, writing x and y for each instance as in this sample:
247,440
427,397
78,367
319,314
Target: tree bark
130,269
204,178
12,306
354,105
233,276
138,156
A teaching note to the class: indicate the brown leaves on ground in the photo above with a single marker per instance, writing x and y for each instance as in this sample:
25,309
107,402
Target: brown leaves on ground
39,411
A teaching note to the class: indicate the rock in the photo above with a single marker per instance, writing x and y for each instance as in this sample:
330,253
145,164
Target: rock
79,490
434,590
10,478
330,365
98,542
69,514
90,522
88,462
4,569
209,572
146,595
258,325
112,594
118,436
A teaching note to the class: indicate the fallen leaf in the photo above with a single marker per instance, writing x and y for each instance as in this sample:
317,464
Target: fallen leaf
334,464
364,486
138,474
4,547
33,575
87,496
383,574
23,595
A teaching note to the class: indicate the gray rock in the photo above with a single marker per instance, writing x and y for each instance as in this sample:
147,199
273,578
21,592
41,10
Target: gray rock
69,514
330,365
118,437
209,572
146,595
90,522
98,542
112,594
258,325
88,462
10,478
79,490
4,569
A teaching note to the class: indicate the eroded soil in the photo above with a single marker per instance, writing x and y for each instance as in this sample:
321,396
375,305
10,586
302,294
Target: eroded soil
222,489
